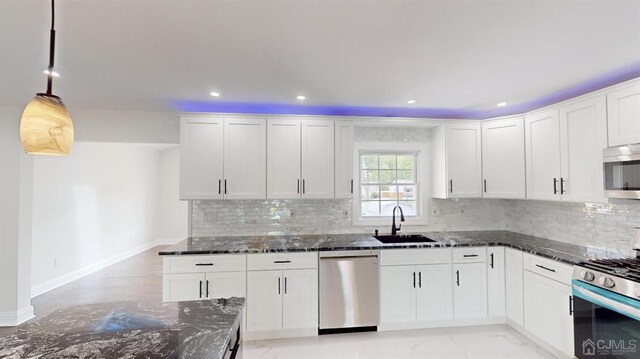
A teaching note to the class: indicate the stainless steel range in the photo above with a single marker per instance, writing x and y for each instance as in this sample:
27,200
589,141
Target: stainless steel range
606,295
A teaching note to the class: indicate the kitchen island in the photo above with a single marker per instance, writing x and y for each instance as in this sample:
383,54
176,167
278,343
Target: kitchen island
151,329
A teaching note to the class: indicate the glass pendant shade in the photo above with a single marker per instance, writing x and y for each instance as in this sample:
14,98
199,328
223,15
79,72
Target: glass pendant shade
46,127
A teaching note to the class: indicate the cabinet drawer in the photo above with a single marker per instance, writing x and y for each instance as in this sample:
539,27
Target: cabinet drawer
393,257
469,254
548,268
207,263
285,260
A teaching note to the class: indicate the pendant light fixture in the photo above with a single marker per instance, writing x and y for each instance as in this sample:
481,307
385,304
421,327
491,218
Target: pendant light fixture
46,127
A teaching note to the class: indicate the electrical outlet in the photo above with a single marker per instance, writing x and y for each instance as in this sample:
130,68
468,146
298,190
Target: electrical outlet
436,212
211,217
56,262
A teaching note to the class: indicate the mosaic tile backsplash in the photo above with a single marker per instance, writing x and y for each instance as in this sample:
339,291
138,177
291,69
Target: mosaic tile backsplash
277,217
599,225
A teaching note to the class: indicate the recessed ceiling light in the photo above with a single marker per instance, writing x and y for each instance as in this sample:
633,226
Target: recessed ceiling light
501,104
411,102
53,73
301,98
214,94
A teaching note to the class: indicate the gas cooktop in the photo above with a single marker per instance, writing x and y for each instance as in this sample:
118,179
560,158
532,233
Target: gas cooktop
617,275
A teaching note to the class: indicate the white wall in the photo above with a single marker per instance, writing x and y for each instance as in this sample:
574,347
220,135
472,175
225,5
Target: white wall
97,205
174,214
15,222
125,126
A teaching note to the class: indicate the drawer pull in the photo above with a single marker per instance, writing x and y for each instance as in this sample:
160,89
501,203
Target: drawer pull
470,255
280,262
545,268
203,264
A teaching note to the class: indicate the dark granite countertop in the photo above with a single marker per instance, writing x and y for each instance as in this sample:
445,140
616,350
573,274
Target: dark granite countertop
564,252
198,329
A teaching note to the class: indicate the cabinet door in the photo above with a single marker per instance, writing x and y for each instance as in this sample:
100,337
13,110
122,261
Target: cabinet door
434,292
183,286
542,140
470,290
623,115
464,166
283,158
317,159
514,300
397,294
547,301
226,284
300,298
496,281
245,158
503,158
344,160
264,300
201,147
583,136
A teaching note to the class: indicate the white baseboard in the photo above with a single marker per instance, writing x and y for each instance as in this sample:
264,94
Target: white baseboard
441,323
12,319
280,334
41,288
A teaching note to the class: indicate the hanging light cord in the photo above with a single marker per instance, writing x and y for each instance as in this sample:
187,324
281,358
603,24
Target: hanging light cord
52,45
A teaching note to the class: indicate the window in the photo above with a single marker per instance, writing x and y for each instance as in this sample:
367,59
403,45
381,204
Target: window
388,180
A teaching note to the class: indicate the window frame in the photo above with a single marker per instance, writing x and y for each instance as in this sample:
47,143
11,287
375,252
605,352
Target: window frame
421,182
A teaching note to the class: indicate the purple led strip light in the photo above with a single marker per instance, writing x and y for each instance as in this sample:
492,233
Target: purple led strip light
609,79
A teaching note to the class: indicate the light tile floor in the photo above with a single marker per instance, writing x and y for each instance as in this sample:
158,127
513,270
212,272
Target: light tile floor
491,342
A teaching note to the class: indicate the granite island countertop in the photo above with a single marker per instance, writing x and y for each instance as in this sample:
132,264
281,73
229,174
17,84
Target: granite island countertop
197,329
560,251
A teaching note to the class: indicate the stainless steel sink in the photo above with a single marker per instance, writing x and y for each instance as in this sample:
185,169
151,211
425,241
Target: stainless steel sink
404,238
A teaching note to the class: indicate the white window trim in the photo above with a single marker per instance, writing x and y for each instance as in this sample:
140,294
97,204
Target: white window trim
422,185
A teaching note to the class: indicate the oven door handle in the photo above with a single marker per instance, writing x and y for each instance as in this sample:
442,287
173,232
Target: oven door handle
622,305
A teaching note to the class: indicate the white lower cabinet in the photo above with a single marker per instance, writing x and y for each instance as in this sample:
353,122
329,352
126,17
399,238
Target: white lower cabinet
196,277
282,299
434,293
470,290
196,286
415,285
514,286
547,313
495,282
415,293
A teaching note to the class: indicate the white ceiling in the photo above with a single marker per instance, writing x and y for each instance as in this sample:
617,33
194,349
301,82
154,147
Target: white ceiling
467,55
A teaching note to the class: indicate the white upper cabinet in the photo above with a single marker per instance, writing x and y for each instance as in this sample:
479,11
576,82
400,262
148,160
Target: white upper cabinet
201,157
317,159
344,160
245,160
623,113
283,158
583,136
457,160
300,158
222,158
542,140
503,158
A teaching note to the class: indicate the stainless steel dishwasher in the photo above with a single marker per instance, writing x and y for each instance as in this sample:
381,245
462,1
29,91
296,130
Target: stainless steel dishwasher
349,291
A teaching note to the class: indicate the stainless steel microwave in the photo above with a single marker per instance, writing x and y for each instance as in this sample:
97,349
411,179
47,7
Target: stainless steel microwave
622,171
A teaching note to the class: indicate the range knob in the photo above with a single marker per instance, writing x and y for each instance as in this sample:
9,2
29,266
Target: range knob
607,282
586,275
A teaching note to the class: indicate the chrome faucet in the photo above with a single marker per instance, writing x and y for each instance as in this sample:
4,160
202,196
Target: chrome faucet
394,230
